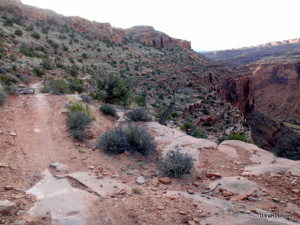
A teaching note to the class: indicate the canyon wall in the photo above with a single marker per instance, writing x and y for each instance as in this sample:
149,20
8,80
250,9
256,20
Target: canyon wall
277,89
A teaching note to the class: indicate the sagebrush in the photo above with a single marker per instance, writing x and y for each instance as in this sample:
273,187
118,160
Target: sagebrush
176,164
132,138
139,114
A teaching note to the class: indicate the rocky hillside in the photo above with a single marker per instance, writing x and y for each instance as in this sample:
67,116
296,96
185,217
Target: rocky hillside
42,45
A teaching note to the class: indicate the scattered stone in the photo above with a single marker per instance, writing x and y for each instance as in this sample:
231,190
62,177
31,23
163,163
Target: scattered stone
165,180
13,134
215,175
191,192
191,222
182,213
91,167
8,188
227,193
160,207
297,191
275,199
186,219
19,222
253,211
20,212
203,214
59,166
1,132
140,180
2,165
196,184
252,199
6,207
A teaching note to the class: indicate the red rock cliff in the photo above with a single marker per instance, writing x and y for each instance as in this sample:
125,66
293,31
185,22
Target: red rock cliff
277,88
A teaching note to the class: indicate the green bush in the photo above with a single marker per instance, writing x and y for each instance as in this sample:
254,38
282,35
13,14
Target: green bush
187,126
18,33
28,51
239,137
2,97
47,64
80,107
36,35
77,122
108,110
139,114
56,87
116,88
7,80
86,98
175,164
132,138
38,71
141,100
76,85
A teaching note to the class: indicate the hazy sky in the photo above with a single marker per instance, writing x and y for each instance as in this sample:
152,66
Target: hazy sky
208,24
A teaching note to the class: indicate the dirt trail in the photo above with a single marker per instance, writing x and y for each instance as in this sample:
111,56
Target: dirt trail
40,137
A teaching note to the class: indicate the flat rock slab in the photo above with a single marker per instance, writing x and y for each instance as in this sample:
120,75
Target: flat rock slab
66,205
59,166
218,211
238,185
171,137
263,161
103,187
6,207
230,151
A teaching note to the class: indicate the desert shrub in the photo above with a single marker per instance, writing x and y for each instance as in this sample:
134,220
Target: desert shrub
187,126
73,71
38,71
56,87
132,138
76,85
175,164
80,107
77,122
138,114
8,22
108,110
98,94
116,88
28,51
36,35
24,78
197,133
141,100
18,33
86,98
239,137
7,80
2,97
47,64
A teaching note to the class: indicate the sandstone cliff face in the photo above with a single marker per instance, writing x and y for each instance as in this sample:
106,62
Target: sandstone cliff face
148,35
277,88
234,85
101,31
270,134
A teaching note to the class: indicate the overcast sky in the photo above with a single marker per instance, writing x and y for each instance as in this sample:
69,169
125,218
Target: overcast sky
208,24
